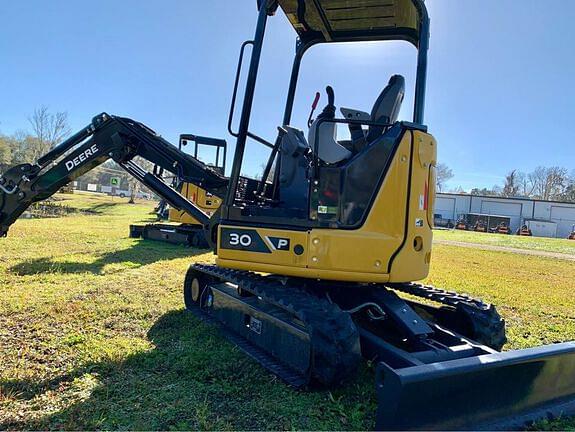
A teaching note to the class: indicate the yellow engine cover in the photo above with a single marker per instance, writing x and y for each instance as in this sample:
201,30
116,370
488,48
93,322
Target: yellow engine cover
393,245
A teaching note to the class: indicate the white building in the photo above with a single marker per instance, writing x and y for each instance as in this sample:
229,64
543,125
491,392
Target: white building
545,218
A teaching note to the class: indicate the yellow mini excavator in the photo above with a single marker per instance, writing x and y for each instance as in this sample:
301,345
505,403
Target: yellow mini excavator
181,227
312,259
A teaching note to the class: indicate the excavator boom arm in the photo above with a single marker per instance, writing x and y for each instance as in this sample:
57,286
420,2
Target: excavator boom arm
107,137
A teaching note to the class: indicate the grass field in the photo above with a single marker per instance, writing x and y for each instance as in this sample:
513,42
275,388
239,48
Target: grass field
93,334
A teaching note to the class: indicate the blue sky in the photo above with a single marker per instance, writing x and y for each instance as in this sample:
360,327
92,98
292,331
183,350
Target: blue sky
500,91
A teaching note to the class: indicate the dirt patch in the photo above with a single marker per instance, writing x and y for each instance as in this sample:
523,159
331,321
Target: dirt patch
556,255
52,209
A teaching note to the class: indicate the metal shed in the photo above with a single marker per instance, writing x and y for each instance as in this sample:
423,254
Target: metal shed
518,210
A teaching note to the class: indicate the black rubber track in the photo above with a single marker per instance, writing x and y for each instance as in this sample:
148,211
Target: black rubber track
287,374
334,336
482,322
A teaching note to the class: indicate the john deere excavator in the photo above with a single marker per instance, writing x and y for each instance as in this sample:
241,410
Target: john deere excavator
312,259
119,139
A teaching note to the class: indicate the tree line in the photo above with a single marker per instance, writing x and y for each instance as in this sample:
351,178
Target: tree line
545,183
26,146
47,130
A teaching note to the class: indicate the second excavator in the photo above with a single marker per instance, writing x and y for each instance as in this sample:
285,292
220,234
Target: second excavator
175,225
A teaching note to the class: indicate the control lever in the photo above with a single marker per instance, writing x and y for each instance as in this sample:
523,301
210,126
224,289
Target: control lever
313,107
330,95
329,110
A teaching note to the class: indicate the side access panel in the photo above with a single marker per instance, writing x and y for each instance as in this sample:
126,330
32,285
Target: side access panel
368,249
411,262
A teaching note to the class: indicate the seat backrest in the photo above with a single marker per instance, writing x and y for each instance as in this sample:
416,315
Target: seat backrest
386,107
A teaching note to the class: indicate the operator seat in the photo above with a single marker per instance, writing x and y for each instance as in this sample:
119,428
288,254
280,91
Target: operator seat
385,110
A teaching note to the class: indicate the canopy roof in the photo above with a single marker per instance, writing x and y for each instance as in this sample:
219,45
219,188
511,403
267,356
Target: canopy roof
348,20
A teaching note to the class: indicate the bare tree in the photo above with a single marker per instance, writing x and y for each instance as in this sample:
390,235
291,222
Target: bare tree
457,190
25,148
49,128
549,183
5,152
557,182
524,184
496,190
537,181
511,186
444,174
569,194
135,187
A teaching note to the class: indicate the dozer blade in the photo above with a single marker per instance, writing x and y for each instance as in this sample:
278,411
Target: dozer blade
492,391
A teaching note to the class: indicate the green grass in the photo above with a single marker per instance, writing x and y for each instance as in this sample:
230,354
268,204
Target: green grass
532,243
93,334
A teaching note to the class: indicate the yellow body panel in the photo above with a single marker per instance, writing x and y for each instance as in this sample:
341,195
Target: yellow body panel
394,243
204,200
279,258
412,261
303,272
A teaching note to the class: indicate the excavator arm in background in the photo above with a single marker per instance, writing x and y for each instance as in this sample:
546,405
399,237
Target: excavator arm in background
107,137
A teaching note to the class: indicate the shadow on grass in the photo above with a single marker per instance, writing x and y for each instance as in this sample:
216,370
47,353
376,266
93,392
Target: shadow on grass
191,379
102,207
142,253
92,209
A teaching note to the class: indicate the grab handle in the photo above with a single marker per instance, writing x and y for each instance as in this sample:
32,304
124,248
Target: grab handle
236,84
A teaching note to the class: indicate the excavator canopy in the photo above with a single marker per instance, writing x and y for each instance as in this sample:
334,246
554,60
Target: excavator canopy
317,21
